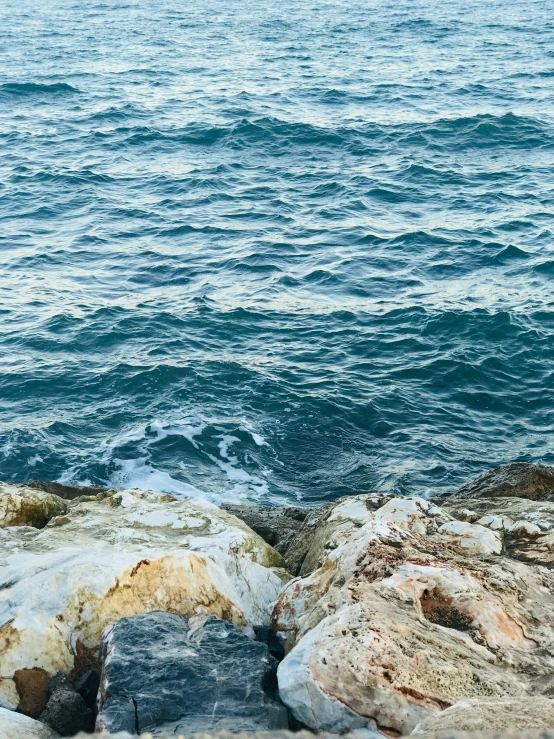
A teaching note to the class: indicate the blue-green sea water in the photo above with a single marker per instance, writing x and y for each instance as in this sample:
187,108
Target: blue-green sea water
275,251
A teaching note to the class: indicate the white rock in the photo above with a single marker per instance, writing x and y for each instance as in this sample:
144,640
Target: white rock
17,726
130,553
412,612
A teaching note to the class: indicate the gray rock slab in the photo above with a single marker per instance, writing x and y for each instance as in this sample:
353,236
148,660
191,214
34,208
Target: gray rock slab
172,675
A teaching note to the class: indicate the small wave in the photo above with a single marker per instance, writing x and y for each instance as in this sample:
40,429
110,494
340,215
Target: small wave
24,89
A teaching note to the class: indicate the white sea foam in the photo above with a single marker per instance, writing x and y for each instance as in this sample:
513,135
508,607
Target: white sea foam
140,471
137,473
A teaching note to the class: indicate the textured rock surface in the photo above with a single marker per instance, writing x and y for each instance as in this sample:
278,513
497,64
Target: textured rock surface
66,711
168,674
526,526
518,479
277,734
17,726
513,733
67,492
23,506
498,713
289,530
279,527
407,614
112,557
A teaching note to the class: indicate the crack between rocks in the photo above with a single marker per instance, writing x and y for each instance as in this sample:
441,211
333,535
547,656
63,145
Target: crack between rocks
137,728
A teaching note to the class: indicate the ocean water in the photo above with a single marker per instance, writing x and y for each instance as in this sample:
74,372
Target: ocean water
275,251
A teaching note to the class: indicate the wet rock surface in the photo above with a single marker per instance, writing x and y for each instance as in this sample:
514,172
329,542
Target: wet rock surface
23,506
407,614
518,479
110,557
67,492
288,530
168,674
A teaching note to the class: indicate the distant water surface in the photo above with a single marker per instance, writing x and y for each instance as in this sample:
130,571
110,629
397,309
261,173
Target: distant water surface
275,251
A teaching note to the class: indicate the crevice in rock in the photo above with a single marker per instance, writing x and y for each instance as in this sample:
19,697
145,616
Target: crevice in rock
440,611
137,727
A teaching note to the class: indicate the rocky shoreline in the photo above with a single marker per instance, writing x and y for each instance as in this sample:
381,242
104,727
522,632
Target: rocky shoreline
374,615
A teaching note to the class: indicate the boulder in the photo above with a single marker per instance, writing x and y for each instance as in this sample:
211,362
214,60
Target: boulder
278,526
171,675
407,614
526,526
518,479
492,713
66,710
110,557
17,726
289,530
23,506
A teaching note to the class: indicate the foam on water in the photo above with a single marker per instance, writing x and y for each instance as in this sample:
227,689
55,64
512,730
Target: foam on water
275,252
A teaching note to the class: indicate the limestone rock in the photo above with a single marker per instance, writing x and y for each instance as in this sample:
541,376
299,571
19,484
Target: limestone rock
23,506
17,726
289,530
168,674
518,479
406,615
495,713
526,526
107,558
513,733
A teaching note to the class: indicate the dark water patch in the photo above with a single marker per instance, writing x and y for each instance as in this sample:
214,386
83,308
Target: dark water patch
34,89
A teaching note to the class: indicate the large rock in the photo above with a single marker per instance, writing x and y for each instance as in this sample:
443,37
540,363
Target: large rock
409,612
66,710
492,713
117,556
23,506
289,530
526,526
17,726
518,479
170,675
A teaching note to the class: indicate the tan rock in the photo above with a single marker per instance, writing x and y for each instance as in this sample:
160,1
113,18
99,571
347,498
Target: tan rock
407,614
23,506
526,526
129,553
494,713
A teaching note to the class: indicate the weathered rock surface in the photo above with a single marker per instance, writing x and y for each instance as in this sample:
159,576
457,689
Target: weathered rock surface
277,526
288,530
518,479
17,726
117,556
66,711
526,526
410,611
494,713
168,674
67,492
513,733
276,734
23,506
